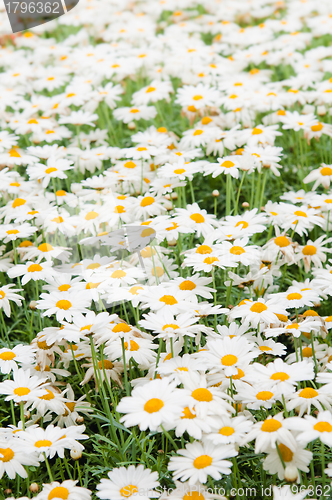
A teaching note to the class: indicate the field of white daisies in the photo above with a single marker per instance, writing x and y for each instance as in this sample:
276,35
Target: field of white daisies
165,257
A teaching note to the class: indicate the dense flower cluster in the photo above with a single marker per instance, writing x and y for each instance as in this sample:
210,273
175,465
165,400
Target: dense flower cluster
200,132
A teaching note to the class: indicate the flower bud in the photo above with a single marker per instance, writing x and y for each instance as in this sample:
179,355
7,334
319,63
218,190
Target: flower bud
131,126
215,193
33,305
34,488
321,110
291,473
75,453
172,243
245,204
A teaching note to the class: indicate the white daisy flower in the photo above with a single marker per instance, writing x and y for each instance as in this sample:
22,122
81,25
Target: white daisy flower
198,461
123,482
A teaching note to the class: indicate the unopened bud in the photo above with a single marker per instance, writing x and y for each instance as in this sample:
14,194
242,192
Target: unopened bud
33,305
7,491
215,193
34,488
172,243
168,205
167,196
245,204
75,453
291,473
174,196
131,126
321,110
80,419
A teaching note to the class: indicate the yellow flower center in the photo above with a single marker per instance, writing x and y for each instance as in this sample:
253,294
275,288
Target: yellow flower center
34,268
228,360
282,376
14,154
58,492
91,215
307,352
119,273
285,452
309,250
193,495
226,431
50,170
12,231
64,288
41,443
128,490
18,202
133,345
282,241
63,304
300,213
45,247
158,271
108,365
257,131
210,260
198,132
202,462
121,327
326,171
323,427
264,348
227,164
150,89
48,396
58,220
21,391
170,325
153,405
198,218
203,249
294,296
317,128
133,289
271,425
187,413
242,223
308,393
7,454
202,394
169,300
187,285
258,307
236,250
7,355
147,200
264,395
